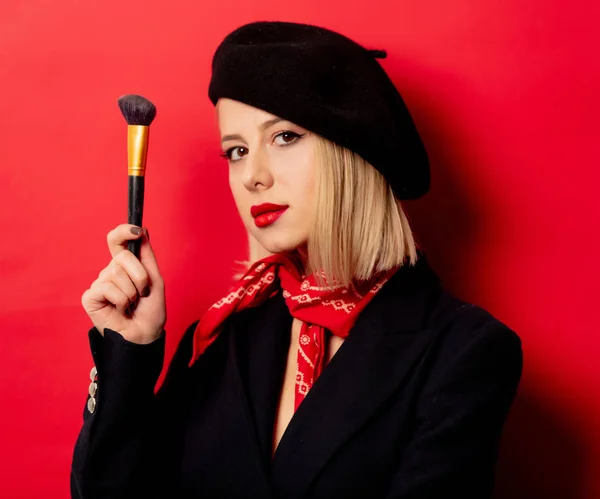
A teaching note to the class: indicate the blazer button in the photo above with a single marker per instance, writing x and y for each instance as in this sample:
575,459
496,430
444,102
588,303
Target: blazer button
93,373
91,404
93,388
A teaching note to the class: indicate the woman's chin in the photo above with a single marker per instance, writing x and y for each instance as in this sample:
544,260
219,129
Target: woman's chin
278,243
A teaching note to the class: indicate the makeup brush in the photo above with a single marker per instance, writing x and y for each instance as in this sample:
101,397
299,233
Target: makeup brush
139,113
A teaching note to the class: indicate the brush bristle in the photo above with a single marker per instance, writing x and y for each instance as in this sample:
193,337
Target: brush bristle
136,109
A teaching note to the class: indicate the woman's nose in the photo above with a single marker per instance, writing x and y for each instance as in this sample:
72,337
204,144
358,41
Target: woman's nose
257,171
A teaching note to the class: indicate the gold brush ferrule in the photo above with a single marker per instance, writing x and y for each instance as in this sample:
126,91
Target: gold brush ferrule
137,148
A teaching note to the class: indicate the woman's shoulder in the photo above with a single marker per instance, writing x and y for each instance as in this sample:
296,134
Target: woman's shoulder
469,337
417,299
466,319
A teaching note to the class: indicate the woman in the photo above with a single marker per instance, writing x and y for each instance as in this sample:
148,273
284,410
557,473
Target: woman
337,366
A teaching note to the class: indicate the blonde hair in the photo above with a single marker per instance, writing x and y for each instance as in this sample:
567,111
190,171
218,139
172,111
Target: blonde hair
360,229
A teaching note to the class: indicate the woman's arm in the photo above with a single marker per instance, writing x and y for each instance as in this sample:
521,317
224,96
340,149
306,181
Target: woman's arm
128,445
460,415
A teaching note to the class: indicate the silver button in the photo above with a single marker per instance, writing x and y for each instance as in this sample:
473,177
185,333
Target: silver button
93,373
91,404
92,388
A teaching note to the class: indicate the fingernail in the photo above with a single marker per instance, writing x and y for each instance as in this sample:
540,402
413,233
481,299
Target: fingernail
136,230
146,291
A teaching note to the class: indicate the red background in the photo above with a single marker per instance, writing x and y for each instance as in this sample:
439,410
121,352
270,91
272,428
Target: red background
505,94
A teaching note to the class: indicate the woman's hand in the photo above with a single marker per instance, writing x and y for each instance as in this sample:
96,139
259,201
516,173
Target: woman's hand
129,295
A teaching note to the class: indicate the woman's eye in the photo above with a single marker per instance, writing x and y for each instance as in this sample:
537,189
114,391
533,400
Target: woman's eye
288,138
229,153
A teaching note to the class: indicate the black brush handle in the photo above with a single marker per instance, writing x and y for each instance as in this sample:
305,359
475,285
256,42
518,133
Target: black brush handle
135,209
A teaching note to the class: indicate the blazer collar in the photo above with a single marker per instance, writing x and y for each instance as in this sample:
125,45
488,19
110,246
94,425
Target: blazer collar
369,365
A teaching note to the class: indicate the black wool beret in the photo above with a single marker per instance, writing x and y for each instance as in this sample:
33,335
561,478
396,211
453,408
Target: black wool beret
329,84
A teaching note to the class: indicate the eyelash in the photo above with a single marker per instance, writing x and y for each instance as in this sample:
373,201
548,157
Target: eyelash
227,154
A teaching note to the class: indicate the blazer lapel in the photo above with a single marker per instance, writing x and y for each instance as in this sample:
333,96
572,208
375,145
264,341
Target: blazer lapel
260,342
387,339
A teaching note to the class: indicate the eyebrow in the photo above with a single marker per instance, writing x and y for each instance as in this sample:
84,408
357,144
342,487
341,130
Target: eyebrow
263,127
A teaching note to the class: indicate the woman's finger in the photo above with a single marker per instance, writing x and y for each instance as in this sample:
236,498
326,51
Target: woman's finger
103,292
127,263
118,237
116,274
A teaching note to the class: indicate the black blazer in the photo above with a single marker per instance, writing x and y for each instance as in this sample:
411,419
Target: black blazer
412,405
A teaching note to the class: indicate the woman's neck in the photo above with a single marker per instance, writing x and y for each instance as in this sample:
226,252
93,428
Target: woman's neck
302,252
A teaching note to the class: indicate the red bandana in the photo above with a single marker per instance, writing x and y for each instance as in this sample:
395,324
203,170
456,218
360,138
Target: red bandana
334,308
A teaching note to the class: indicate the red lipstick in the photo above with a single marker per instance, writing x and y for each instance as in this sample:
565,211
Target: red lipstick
266,213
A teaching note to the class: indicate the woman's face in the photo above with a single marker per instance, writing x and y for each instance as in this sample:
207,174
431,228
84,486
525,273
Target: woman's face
270,161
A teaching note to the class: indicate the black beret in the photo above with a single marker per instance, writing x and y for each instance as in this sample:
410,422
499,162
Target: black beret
329,84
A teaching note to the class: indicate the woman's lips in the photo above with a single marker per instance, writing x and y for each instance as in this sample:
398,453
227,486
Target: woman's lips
268,218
